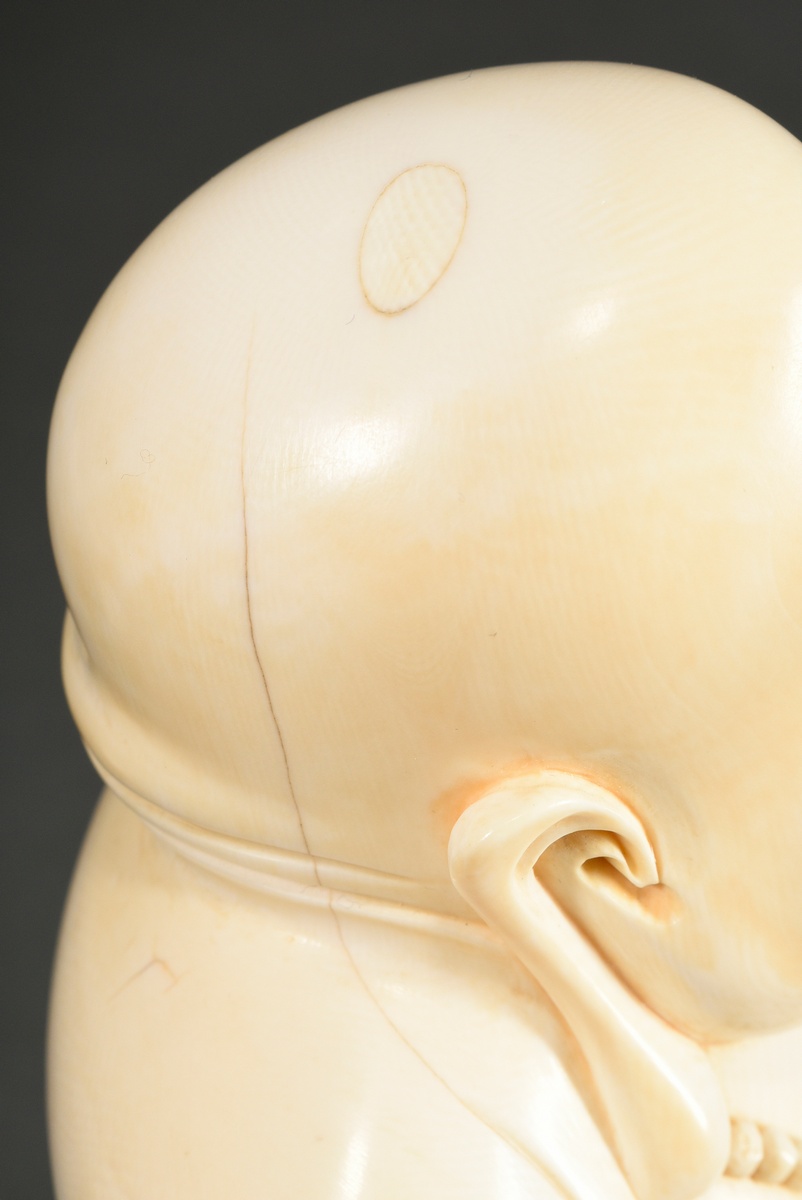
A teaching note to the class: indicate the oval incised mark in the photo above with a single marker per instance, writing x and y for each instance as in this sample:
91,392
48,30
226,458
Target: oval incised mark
411,236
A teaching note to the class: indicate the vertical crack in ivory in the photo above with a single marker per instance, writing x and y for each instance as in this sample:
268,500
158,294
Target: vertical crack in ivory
246,558
334,914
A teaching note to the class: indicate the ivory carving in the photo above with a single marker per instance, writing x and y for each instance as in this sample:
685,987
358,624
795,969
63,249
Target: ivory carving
427,496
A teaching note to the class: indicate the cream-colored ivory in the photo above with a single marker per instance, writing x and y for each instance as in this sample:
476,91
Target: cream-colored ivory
670,1129
427,495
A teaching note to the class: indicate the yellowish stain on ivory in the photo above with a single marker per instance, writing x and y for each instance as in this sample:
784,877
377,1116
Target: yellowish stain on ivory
411,236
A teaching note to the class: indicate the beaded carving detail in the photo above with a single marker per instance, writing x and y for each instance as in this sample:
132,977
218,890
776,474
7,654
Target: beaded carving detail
765,1154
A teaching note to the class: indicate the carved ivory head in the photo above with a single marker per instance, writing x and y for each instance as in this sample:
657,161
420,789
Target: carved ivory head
427,495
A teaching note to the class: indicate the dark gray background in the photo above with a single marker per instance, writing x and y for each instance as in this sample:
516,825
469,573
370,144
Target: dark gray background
113,114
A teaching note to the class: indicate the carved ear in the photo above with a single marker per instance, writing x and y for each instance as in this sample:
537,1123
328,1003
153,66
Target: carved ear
663,1102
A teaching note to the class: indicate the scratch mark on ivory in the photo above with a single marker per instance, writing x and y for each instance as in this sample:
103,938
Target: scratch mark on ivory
152,962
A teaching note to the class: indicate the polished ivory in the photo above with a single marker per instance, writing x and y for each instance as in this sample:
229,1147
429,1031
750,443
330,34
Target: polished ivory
427,495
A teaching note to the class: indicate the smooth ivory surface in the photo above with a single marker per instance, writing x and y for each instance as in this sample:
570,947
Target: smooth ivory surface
427,495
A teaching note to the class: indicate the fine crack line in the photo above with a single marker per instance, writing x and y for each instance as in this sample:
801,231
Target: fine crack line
513,1143
335,915
251,630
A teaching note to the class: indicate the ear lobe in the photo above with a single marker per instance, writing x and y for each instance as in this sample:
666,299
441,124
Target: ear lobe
662,1100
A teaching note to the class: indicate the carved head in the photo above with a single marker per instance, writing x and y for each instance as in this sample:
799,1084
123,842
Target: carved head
383,482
